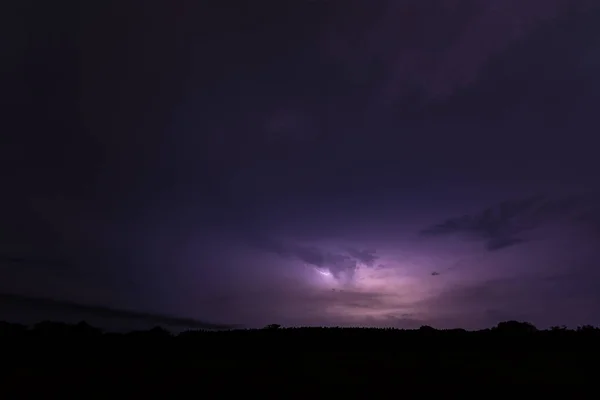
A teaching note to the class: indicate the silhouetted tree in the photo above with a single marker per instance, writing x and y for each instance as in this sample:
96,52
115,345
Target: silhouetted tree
515,327
587,329
11,330
51,328
557,328
86,330
159,331
427,329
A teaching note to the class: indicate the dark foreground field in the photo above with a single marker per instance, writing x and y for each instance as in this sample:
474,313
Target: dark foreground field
288,363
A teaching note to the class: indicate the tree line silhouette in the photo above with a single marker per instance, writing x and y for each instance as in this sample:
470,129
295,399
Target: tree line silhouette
303,357
505,335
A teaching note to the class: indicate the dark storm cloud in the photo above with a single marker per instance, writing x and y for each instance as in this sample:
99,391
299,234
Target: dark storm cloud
289,126
433,47
501,243
498,226
212,121
8,261
504,224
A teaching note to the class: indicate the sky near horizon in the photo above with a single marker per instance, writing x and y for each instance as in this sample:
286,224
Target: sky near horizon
397,163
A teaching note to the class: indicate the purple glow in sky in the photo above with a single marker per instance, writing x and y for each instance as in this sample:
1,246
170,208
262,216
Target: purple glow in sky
400,163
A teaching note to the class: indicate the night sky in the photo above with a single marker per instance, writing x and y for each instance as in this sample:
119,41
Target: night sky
327,162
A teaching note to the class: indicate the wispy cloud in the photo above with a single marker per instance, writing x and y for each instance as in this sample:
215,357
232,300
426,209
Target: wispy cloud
66,308
506,224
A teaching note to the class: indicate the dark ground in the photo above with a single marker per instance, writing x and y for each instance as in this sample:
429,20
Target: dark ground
315,362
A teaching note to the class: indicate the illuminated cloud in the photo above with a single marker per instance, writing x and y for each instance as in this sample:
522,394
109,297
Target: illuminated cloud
341,264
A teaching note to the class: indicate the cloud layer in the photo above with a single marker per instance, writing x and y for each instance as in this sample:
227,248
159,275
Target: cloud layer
507,223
